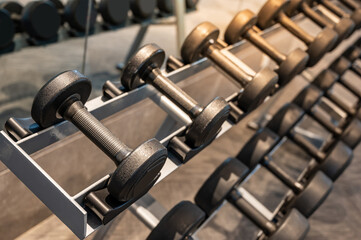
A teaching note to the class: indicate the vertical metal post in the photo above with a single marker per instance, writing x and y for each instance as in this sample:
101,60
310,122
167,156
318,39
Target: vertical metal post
179,12
87,29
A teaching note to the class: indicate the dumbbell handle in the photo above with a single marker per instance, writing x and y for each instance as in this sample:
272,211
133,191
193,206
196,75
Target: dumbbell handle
314,16
173,92
261,43
77,114
236,199
287,23
228,66
351,4
286,179
333,8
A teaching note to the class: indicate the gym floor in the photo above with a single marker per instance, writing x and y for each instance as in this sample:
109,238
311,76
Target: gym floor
24,72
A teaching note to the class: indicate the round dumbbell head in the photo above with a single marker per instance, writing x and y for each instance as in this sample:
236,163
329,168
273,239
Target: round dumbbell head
179,223
293,226
352,134
337,161
114,12
240,24
165,6
7,28
269,12
138,172
257,147
325,79
148,56
285,119
12,7
143,8
46,104
292,7
322,43
41,20
208,123
314,194
352,53
57,3
190,4
216,188
344,28
197,40
261,86
356,17
76,14
296,61
308,97
341,65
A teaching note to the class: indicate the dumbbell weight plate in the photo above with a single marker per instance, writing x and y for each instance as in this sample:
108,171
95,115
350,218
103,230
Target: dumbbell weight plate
313,195
135,176
293,226
57,3
145,57
47,102
41,20
143,8
261,86
12,7
179,223
206,125
239,25
322,43
269,12
76,14
165,6
7,28
352,134
292,7
344,28
114,12
196,41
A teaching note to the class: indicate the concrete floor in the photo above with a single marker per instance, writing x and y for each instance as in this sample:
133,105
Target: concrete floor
24,72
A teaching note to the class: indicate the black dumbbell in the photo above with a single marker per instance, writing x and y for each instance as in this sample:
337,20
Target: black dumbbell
137,170
7,29
114,12
145,66
290,65
165,6
329,115
342,64
329,82
179,223
273,11
75,13
143,9
222,185
310,192
344,27
39,19
201,42
355,15
333,159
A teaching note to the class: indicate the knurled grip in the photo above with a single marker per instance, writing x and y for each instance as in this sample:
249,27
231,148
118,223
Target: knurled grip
96,132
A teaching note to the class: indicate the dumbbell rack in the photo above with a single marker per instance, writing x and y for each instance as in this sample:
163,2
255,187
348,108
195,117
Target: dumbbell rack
69,209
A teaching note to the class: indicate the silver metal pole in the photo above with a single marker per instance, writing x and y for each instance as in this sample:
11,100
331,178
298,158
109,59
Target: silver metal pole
179,12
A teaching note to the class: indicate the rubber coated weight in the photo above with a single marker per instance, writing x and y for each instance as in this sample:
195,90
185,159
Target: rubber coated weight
7,29
165,6
273,11
222,185
41,20
352,134
57,3
313,194
137,170
76,14
114,12
12,7
294,226
179,223
257,86
143,9
289,65
206,122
